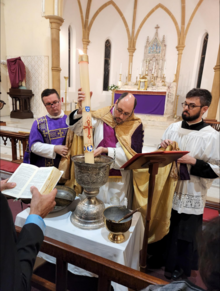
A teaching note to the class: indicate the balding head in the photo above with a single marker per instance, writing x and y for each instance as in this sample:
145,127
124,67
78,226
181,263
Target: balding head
124,107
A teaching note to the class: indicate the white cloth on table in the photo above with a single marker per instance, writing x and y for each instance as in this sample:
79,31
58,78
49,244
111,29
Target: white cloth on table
190,195
120,187
94,241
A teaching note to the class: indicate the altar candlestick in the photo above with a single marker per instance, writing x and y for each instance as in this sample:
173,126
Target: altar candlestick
86,109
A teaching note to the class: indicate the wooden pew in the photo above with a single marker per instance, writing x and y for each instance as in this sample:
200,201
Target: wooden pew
214,123
106,270
14,138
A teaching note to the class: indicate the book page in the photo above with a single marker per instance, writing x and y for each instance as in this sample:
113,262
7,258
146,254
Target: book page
51,181
21,176
38,180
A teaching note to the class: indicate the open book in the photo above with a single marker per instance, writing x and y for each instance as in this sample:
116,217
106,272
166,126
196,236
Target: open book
45,179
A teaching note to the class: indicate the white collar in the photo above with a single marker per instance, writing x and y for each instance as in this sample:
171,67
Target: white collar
193,123
56,117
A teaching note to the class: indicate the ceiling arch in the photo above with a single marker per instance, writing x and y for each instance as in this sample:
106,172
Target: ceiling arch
119,12
151,12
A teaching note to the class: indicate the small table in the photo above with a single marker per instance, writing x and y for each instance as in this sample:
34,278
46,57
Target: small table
21,107
96,241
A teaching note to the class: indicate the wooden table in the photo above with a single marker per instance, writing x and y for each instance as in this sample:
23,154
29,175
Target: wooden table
59,227
14,137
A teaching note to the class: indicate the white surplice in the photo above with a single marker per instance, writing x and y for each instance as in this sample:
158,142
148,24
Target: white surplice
190,195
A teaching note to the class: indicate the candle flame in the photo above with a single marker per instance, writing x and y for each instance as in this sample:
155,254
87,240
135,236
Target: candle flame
80,52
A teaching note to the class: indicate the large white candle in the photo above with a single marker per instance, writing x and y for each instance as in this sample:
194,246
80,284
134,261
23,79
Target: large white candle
86,109
140,68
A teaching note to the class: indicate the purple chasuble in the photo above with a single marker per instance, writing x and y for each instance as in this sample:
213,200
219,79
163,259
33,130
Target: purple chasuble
50,131
110,140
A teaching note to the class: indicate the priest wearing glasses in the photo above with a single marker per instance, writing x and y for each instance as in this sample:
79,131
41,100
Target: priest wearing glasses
47,137
202,141
117,133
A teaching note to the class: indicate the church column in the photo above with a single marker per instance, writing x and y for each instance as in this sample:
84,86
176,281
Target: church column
85,45
215,90
55,24
180,49
130,62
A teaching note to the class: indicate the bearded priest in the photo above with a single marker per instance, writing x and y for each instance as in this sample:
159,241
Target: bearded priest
118,133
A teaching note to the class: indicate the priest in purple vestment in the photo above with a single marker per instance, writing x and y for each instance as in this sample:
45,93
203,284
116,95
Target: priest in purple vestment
47,137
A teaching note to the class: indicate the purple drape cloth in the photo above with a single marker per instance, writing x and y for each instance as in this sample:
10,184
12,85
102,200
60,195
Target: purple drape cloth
148,104
16,70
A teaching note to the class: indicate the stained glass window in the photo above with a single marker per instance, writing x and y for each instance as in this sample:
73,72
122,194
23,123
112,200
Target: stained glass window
202,60
107,60
69,55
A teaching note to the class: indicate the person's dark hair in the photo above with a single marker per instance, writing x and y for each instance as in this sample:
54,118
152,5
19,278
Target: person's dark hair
48,92
209,254
204,95
123,95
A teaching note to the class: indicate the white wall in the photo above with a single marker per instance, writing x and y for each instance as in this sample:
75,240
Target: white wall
205,21
161,18
23,32
71,18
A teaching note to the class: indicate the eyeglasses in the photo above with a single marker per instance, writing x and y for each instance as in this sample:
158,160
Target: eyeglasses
121,111
53,103
190,105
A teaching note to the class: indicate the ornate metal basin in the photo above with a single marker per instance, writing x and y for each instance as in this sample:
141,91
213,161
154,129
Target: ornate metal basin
89,212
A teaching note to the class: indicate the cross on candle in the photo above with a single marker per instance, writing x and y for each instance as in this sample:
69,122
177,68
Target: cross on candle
89,127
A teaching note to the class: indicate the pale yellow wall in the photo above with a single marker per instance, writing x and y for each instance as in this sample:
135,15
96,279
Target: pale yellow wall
24,32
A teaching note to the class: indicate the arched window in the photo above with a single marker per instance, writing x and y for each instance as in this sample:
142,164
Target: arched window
202,60
69,55
107,65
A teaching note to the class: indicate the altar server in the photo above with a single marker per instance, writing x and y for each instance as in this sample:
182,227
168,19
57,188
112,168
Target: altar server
47,137
202,141
116,130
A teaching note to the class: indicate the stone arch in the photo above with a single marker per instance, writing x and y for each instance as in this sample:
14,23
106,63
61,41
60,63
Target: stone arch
192,16
151,12
119,12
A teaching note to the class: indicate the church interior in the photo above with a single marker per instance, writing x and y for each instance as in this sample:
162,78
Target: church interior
157,50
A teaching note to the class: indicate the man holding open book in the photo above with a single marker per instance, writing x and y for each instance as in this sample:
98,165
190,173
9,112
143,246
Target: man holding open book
17,255
46,143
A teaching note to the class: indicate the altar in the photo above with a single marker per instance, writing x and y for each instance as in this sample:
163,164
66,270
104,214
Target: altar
148,102
157,102
59,227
